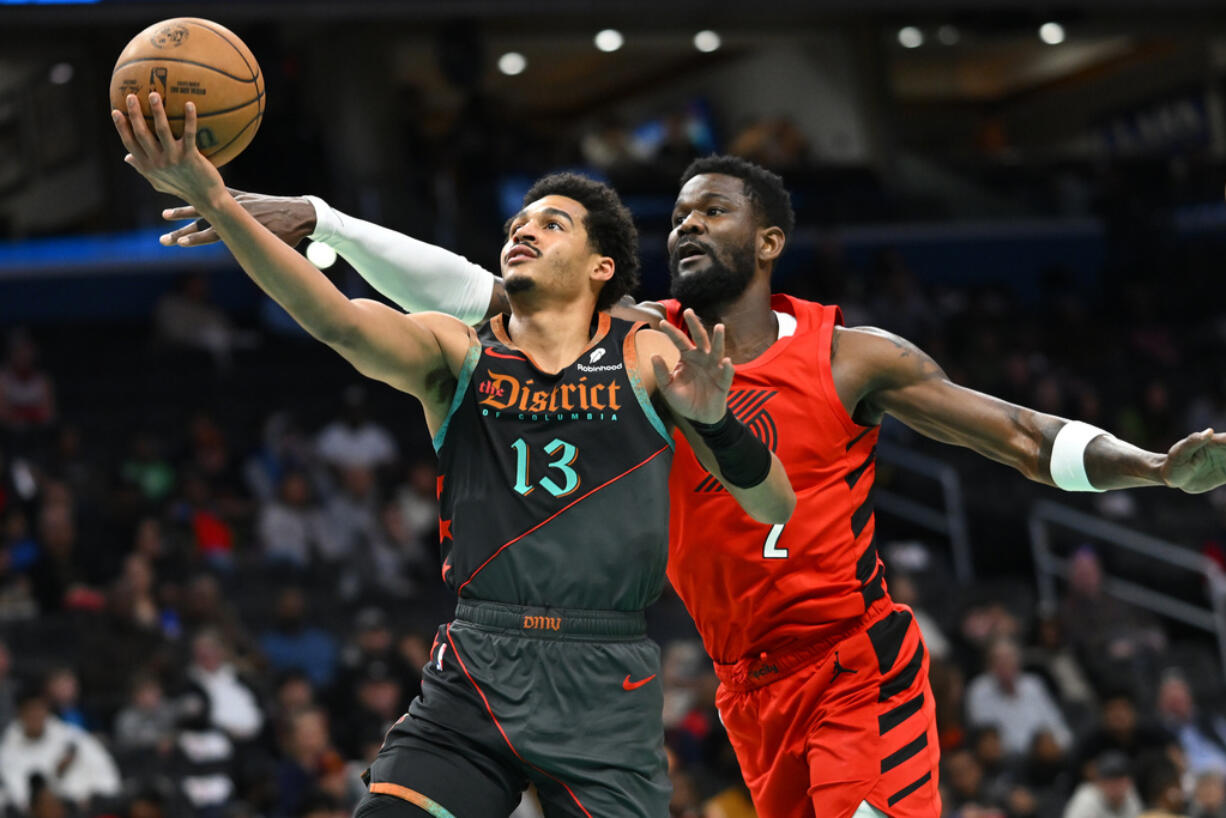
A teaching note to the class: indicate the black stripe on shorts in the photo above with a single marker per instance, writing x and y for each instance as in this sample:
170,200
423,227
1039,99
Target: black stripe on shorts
899,756
910,788
889,720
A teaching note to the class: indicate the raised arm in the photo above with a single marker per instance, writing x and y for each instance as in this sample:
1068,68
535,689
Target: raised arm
417,276
694,377
879,373
415,354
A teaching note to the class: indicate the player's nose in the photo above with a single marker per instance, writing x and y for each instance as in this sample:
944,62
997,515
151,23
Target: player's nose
692,223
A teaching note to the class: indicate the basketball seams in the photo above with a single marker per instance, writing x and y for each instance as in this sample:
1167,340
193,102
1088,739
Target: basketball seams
255,73
239,107
253,121
196,63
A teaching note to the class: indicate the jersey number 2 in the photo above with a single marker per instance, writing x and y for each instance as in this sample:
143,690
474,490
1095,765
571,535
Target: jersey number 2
769,549
567,456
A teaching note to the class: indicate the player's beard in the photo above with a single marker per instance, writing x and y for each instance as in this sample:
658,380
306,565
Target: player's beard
517,284
722,282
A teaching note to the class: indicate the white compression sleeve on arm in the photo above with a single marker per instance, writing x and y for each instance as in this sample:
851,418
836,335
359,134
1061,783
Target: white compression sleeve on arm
416,275
1068,456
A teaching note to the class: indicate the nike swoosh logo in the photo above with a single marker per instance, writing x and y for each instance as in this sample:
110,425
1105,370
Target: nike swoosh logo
629,685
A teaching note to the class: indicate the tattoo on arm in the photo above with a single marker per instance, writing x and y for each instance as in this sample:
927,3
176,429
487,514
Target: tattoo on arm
926,368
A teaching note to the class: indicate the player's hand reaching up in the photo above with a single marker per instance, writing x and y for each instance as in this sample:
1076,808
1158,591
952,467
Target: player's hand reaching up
697,387
171,165
1197,463
290,218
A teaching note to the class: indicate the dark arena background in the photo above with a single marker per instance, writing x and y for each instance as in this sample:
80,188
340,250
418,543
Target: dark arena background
219,544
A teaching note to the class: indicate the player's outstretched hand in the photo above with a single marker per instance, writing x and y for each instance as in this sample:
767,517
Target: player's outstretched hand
697,387
1197,463
290,218
171,165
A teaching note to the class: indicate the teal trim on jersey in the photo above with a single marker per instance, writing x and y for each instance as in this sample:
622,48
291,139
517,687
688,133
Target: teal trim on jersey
632,374
461,389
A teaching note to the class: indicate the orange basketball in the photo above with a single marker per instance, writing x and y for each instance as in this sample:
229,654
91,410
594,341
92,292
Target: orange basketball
187,58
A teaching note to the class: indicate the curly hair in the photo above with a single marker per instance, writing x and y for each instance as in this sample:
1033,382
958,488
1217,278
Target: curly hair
763,188
610,228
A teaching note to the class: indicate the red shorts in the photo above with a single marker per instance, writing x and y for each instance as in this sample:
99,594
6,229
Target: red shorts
850,718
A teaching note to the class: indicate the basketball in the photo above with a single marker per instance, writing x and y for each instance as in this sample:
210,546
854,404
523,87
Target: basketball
187,58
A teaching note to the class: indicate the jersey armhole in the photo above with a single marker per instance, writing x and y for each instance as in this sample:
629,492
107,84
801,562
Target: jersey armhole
630,359
461,389
832,316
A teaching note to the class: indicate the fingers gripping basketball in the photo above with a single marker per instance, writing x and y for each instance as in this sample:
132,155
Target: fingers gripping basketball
187,58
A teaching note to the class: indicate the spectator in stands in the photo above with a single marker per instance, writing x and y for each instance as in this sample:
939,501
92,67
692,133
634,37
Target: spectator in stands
285,449
310,764
1054,658
200,514
205,607
354,440
62,689
352,517
1160,789
373,642
291,644
1110,639
418,500
293,529
62,575
44,803
1209,796
186,317
145,726
1201,737
1120,729
146,471
1014,702
8,687
232,703
27,393
73,763
19,552
1110,794
399,557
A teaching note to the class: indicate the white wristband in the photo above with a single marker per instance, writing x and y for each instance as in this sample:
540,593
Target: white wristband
1068,464
416,275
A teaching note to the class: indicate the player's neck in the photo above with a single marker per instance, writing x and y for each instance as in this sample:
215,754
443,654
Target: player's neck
749,324
554,336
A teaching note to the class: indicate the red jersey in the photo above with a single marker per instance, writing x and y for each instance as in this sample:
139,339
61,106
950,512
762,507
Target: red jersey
751,587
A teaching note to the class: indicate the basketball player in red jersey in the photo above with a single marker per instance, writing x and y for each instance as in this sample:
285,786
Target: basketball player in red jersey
824,678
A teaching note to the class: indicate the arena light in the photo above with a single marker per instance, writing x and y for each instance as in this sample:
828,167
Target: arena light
707,41
609,39
1051,33
321,255
910,37
512,63
948,35
61,73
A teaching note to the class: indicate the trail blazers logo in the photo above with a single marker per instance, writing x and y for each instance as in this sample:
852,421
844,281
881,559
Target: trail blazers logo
749,407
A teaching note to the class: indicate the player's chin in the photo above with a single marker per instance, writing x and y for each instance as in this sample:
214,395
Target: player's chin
516,280
690,266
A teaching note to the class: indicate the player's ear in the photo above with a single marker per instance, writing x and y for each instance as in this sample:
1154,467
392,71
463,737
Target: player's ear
770,243
604,269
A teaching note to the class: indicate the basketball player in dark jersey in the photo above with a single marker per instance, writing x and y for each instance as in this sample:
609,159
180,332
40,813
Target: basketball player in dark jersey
824,686
554,452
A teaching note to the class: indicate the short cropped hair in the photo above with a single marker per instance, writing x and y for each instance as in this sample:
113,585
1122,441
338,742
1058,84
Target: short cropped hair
610,228
763,188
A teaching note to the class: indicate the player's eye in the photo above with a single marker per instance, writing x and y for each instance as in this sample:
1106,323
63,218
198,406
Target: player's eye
677,220
554,224
715,211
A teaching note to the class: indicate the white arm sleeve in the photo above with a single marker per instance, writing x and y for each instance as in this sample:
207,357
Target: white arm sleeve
416,275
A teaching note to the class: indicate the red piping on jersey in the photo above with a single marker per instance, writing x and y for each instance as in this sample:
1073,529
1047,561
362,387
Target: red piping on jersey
509,543
498,724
